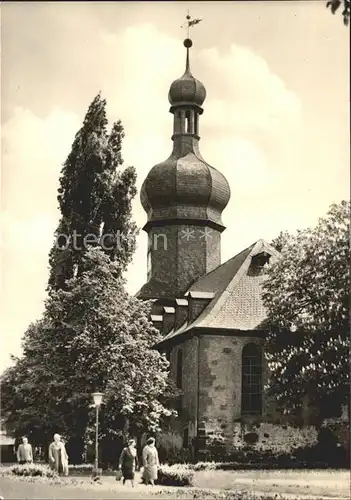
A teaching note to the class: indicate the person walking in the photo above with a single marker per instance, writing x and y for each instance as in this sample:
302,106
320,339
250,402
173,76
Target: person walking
150,462
58,458
128,462
25,452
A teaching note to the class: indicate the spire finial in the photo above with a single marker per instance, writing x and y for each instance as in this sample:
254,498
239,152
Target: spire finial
190,23
188,42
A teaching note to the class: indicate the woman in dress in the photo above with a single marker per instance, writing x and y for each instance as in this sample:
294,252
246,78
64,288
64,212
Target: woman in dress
58,458
150,462
128,462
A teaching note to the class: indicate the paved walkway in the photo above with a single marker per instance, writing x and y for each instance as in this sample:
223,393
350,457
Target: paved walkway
16,489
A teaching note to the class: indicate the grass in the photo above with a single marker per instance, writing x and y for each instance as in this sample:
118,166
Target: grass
210,485
322,483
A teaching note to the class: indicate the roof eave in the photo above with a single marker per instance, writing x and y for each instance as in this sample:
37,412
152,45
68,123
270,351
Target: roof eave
203,330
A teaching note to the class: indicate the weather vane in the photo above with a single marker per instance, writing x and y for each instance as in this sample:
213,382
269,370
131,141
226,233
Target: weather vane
189,23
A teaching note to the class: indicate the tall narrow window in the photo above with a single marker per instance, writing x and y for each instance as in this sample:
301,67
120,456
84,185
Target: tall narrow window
251,394
149,264
179,369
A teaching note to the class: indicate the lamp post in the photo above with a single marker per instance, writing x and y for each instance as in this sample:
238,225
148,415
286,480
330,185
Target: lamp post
97,397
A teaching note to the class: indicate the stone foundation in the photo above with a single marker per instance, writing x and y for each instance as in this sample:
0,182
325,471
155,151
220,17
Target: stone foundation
267,437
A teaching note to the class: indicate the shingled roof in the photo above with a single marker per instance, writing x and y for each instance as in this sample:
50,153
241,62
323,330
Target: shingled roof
237,303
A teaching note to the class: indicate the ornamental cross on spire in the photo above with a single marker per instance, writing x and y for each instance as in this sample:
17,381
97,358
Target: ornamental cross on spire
190,23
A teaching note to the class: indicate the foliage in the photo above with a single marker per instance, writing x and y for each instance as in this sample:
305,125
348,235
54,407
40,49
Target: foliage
34,470
170,446
334,6
308,288
93,337
95,197
281,240
175,475
208,494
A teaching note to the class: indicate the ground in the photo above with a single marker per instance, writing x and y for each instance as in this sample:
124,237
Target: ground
292,485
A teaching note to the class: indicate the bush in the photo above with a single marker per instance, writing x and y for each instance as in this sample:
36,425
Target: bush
34,470
205,466
81,469
176,475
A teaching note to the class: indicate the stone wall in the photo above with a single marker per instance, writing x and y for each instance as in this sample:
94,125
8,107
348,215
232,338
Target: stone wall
181,254
220,378
273,437
189,400
211,385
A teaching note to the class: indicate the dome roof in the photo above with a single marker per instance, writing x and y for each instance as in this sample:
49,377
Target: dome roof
185,187
187,89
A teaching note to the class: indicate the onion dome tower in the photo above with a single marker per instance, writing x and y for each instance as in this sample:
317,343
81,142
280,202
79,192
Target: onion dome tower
184,198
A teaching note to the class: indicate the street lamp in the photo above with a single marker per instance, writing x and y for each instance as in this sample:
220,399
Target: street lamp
97,397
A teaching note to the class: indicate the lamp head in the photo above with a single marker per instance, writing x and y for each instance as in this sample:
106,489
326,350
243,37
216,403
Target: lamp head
97,397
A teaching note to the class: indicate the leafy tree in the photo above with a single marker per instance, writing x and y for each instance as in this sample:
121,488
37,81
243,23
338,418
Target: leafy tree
307,298
93,337
95,197
280,241
334,6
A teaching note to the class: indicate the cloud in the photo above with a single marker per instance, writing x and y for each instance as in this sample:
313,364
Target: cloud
251,96
33,150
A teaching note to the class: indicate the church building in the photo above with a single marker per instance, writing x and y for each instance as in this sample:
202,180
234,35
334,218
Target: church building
210,313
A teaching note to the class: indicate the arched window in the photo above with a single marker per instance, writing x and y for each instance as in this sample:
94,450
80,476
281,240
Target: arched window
251,393
179,369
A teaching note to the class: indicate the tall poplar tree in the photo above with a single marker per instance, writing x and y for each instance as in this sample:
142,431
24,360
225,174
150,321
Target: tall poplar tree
93,335
95,196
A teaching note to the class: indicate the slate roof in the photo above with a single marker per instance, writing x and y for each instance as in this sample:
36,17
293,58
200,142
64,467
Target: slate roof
237,303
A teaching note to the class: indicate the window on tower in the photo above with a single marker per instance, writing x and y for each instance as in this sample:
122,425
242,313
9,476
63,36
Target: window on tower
251,392
149,264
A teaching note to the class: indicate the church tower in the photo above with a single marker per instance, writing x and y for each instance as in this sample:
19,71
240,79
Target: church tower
184,198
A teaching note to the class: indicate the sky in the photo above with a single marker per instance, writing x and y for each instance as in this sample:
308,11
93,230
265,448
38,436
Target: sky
275,122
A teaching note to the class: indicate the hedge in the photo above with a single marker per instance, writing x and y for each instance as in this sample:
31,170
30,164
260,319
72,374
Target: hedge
34,470
176,475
